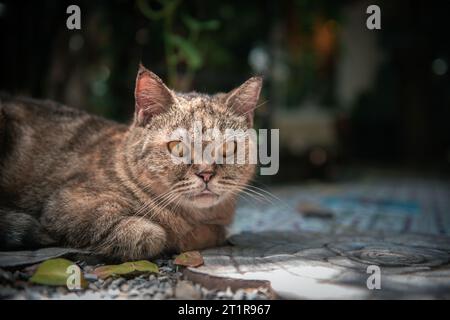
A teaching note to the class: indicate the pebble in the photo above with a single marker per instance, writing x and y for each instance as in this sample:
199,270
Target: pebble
239,295
92,286
91,295
165,269
117,282
147,296
158,296
90,277
7,292
125,287
107,282
133,292
60,290
70,296
252,295
6,277
88,269
186,291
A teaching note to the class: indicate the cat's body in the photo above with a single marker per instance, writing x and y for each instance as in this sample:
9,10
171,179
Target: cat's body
70,178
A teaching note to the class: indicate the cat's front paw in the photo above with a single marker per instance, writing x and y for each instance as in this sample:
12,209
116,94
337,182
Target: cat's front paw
134,238
202,237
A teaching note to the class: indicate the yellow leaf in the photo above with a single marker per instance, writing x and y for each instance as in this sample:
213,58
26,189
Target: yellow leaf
142,266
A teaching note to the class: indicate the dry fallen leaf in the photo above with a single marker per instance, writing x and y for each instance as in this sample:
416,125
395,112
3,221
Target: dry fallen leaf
142,266
189,259
55,272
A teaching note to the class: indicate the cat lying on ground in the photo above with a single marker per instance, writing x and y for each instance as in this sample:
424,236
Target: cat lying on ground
73,179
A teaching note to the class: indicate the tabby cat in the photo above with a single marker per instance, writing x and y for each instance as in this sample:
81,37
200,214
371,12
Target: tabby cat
73,179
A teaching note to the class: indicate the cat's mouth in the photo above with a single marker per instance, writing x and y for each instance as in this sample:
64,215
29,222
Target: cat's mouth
203,195
204,199
206,193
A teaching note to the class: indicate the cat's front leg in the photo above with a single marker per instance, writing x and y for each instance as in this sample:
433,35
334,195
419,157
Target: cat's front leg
203,236
102,223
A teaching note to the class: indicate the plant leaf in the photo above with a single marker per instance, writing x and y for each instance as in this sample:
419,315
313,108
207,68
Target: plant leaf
54,272
198,25
141,266
210,25
189,259
188,50
191,23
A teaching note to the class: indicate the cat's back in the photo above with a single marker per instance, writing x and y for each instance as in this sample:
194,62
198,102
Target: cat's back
23,111
42,142
46,123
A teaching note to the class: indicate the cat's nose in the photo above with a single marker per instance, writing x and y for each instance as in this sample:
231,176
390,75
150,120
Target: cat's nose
206,175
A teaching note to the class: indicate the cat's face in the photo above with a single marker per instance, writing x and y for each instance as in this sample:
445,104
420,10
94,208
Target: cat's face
163,134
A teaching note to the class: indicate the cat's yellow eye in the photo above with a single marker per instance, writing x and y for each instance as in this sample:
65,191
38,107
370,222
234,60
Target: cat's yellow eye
228,148
176,148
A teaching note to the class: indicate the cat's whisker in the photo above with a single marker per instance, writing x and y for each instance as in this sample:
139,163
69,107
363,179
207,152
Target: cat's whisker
153,201
261,194
266,192
247,188
166,204
256,196
157,209
160,201
156,206
174,194
251,193
280,201
240,195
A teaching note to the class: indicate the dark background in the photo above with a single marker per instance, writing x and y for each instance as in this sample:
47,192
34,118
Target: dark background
344,97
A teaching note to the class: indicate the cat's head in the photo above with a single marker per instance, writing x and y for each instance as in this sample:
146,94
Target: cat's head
159,151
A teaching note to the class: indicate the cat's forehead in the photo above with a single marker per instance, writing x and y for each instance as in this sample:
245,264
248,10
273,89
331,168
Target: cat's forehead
197,102
192,109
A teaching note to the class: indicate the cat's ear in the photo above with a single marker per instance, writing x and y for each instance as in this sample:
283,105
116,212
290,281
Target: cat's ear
152,96
244,98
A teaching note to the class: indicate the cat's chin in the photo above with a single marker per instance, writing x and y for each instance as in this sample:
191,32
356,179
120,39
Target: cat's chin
205,200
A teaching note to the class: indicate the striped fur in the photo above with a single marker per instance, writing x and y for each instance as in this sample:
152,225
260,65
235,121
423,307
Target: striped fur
74,179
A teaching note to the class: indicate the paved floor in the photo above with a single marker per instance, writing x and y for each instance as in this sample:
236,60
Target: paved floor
400,205
318,240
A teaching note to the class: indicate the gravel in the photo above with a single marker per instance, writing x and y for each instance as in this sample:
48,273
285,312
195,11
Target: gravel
168,284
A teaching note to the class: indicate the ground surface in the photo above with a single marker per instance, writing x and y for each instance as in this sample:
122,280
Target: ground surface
313,241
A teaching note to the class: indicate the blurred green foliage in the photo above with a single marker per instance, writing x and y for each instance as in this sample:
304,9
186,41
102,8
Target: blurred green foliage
201,45
179,49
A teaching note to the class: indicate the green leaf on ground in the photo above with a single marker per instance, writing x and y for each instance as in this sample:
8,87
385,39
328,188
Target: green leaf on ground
189,259
55,272
142,266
